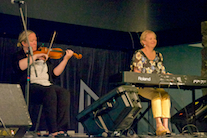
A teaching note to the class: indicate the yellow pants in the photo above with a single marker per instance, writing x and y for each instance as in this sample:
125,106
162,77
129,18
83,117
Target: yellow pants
160,101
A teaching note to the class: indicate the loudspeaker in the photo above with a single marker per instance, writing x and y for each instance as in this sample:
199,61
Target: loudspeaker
114,111
13,109
185,116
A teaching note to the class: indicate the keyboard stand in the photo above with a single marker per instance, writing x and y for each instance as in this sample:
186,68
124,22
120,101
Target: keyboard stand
142,115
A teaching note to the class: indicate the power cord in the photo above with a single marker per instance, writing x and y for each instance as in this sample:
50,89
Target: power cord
189,125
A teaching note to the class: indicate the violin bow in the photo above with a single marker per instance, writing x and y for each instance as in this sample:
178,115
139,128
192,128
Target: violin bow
53,37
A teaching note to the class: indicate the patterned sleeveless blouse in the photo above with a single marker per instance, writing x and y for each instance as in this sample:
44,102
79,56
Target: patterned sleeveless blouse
143,64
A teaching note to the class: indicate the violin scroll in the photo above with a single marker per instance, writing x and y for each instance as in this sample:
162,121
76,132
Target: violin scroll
78,56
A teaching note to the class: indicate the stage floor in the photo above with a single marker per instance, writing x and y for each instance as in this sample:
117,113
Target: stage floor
77,135
141,136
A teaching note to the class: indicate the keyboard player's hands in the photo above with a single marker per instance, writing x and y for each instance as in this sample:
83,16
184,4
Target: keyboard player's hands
168,73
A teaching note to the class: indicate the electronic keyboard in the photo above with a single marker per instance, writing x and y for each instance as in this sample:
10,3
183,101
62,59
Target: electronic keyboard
159,80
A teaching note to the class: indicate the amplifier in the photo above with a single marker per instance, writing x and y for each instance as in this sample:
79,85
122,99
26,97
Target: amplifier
114,111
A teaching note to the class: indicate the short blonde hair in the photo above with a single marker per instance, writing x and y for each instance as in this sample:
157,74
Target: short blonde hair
144,34
23,37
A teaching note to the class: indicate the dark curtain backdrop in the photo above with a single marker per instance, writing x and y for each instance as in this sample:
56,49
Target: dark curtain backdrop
95,68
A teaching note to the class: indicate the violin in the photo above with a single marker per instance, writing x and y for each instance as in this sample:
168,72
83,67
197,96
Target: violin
54,53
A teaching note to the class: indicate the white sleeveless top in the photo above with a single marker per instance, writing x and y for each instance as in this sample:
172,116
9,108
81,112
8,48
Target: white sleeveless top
42,73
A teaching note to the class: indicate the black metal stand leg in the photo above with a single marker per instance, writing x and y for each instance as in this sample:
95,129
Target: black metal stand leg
20,133
142,116
193,106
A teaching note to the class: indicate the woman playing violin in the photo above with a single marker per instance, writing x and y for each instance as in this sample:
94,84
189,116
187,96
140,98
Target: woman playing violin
55,99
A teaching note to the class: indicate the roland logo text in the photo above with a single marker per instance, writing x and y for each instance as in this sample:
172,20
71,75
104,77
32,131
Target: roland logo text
144,78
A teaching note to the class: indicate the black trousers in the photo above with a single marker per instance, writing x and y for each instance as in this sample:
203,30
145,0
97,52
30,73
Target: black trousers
56,102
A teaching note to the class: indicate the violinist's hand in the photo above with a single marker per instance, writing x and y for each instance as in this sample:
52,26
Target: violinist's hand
59,69
41,56
68,55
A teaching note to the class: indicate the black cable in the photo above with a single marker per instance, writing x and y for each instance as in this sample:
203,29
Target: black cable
2,122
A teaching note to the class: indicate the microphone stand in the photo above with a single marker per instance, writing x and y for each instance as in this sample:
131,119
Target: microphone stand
21,132
30,53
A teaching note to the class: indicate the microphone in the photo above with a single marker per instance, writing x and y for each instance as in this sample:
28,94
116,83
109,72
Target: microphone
18,2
